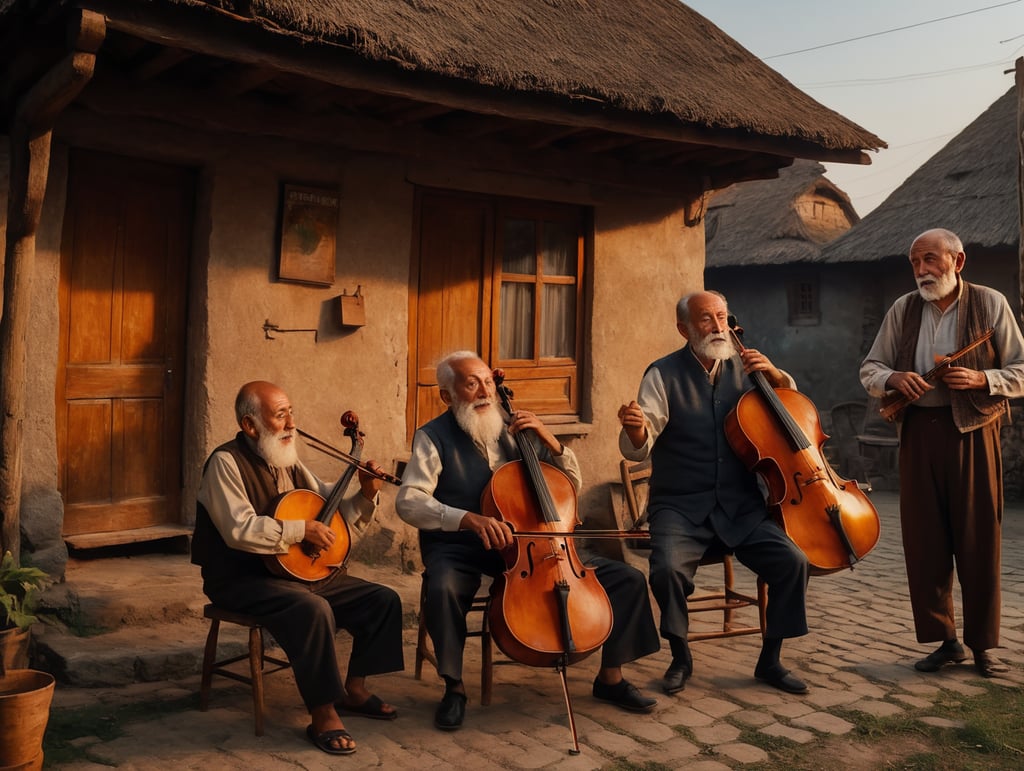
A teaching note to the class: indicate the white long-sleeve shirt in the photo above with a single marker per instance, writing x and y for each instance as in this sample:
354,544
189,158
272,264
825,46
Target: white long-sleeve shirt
416,503
222,493
938,338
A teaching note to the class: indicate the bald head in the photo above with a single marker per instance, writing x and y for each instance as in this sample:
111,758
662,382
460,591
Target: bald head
252,396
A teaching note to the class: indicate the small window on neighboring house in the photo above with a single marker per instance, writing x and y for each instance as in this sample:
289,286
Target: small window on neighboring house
804,303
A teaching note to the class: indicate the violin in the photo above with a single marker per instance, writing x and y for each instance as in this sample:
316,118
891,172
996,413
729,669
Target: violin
547,608
771,430
304,561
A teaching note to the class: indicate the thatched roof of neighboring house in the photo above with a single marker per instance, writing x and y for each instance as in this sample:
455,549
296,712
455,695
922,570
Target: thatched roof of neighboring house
756,223
651,58
969,187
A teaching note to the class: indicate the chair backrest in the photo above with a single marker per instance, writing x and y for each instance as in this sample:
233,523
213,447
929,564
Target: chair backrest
875,426
846,421
636,479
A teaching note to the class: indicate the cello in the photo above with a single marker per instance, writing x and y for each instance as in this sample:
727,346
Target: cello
830,519
547,609
303,561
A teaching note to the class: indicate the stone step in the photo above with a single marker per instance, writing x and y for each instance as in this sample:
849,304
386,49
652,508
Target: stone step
132,654
139,618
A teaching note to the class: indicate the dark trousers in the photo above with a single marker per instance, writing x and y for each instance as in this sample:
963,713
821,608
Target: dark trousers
677,546
951,511
453,574
304,618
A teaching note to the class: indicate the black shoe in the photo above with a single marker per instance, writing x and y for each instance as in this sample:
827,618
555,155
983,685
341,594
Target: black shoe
950,652
676,675
624,694
779,677
988,665
451,711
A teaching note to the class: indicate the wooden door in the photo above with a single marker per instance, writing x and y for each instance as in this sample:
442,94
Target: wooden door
451,304
124,267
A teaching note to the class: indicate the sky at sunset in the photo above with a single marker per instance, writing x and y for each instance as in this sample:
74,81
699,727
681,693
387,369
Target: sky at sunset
914,72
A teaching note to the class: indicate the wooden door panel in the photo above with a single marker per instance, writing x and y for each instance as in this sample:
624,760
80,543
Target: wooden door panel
88,468
114,382
104,518
124,267
143,459
451,297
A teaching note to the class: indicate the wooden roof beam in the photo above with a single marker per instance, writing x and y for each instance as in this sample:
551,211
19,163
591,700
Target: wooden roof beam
158,63
225,39
179,105
236,80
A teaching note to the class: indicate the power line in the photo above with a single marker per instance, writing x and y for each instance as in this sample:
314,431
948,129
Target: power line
901,78
887,31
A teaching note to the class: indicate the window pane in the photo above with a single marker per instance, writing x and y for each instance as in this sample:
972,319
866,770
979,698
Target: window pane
516,321
559,249
558,321
519,248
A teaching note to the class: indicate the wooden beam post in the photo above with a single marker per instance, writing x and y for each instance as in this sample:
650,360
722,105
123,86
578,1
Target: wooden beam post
30,162
1019,82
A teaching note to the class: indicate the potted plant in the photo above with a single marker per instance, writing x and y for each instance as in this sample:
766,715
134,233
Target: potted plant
25,694
19,587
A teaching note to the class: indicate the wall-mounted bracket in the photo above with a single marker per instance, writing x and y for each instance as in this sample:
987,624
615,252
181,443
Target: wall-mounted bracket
268,327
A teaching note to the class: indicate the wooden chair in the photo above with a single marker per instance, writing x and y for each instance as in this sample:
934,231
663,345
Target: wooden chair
256,656
481,604
879,449
635,480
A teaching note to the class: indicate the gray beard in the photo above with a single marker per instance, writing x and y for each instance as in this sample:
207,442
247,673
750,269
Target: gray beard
275,452
945,284
484,429
708,348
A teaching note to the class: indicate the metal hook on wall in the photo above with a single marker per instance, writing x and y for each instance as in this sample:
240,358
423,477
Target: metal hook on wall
269,327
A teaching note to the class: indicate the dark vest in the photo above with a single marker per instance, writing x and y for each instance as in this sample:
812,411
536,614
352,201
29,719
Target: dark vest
971,409
693,469
464,472
209,550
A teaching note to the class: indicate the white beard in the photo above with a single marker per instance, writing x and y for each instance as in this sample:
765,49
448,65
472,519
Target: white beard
274,450
944,286
713,346
483,428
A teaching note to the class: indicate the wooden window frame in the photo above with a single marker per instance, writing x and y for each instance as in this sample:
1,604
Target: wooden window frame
540,378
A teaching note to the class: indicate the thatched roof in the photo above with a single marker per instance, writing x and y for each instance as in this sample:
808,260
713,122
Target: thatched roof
756,223
650,58
969,187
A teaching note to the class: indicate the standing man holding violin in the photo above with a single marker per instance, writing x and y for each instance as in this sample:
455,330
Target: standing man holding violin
236,527
453,459
702,496
951,476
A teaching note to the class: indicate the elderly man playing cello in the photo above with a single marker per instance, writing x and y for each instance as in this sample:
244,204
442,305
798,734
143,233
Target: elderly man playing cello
235,527
702,495
453,459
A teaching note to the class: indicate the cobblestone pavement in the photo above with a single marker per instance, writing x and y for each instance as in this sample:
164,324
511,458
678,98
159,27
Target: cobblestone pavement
859,655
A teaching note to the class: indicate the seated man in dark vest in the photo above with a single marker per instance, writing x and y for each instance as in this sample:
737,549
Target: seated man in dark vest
453,459
702,495
235,528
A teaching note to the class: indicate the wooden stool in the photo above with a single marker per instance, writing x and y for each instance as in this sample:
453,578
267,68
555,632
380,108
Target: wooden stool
481,604
256,656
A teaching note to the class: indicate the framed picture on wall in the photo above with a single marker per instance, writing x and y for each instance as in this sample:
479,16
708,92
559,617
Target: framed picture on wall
309,235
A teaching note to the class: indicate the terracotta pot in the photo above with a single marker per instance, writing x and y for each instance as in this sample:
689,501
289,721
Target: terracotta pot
13,649
25,696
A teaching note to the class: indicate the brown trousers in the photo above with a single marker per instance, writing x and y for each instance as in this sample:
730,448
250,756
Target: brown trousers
951,510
